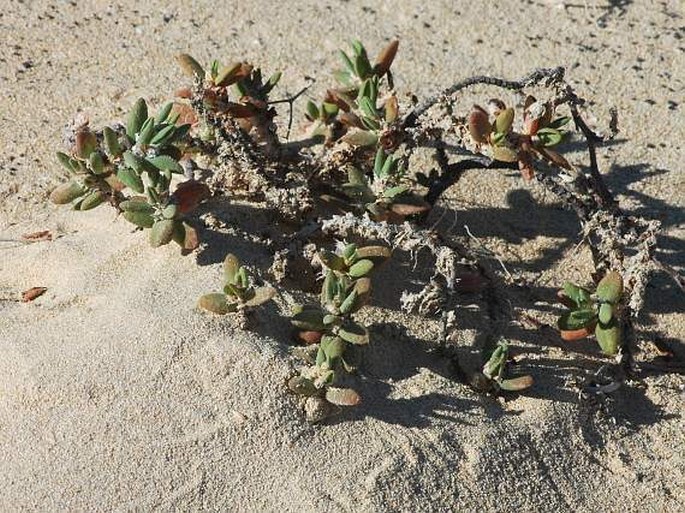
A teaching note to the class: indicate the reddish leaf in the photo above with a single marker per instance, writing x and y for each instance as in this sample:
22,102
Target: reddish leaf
32,293
309,337
186,114
190,194
571,335
38,236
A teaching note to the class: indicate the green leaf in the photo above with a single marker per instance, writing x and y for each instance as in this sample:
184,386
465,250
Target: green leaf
170,211
333,348
134,161
361,268
139,218
65,160
354,333
349,252
136,118
147,131
378,162
606,312
112,142
360,138
165,163
231,267
393,192
348,305
67,192
331,260
609,337
362,66
308,320
329,288
312,111
217,303
131,179
163,136
610,288
92,200
504,121
549,136
161,232
137,205
388,166
302,386
577,319
559,122
347,62
96,163
580,296
163,113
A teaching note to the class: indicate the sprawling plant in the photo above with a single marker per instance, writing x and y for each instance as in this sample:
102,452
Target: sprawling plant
360,185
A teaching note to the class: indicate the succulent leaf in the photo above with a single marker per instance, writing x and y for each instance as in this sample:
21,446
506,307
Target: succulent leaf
354,333
190,66
92,200
136,118
302,386
608,337
217,303
386,58
141,219
516,384
361,268
231,267
577,319
610,288
261,295
131,179
161,232
66,193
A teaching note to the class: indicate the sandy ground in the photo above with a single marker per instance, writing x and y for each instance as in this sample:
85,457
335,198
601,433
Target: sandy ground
117,394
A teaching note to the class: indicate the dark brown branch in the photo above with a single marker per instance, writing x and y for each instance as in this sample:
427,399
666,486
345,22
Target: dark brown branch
546,76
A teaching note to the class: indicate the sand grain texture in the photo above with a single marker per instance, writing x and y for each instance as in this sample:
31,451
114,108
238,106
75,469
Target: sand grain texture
117,394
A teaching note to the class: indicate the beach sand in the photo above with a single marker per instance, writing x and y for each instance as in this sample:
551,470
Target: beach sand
116,393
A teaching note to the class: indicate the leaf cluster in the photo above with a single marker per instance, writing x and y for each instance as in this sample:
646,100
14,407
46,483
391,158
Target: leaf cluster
541,131
239,294
331,326
597,313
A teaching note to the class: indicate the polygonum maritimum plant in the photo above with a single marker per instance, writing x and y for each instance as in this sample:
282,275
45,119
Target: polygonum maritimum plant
363,185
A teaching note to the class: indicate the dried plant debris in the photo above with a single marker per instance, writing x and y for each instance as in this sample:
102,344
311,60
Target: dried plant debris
352,178
34,292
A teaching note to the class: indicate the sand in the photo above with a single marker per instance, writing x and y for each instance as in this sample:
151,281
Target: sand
117,394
